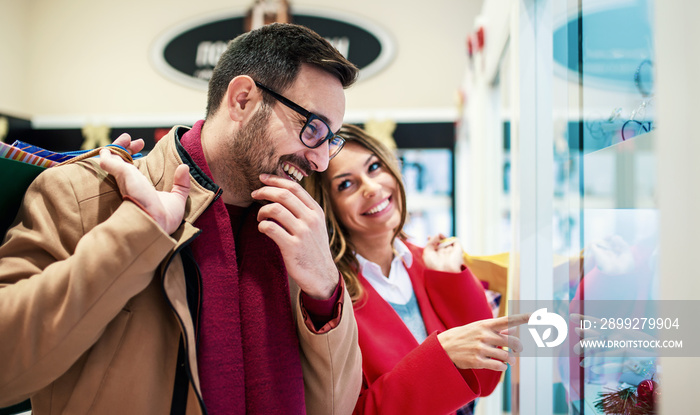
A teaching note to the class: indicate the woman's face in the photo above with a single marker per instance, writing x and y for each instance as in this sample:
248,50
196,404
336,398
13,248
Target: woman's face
364,195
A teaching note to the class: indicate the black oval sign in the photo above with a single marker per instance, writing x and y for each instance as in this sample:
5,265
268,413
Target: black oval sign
188,53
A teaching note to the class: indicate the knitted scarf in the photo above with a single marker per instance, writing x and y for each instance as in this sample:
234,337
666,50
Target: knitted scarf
248,350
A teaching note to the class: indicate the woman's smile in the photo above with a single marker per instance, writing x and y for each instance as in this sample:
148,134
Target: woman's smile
379,208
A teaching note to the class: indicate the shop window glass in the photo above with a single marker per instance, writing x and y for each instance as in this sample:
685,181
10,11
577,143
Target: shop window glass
604,191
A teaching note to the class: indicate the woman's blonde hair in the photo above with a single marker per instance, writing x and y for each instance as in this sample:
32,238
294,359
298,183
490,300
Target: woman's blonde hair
318,187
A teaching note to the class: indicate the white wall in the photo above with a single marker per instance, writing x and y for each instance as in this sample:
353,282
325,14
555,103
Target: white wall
679,196
13,57
91,57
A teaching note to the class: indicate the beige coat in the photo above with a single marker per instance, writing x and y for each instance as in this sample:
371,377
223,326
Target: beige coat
84,325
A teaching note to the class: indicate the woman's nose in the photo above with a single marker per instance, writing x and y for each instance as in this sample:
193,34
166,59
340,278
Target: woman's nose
370,187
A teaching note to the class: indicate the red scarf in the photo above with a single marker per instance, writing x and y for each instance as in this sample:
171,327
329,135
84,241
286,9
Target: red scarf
248,350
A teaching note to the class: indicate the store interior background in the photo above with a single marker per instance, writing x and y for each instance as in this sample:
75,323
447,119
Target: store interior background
69,63
66,60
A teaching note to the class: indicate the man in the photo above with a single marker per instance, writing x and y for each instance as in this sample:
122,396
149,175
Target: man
199,280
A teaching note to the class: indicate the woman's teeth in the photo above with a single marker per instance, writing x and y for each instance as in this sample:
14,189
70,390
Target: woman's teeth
378,208
293,172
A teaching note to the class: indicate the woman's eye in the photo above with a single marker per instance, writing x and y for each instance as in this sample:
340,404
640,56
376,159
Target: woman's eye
344,185
374,166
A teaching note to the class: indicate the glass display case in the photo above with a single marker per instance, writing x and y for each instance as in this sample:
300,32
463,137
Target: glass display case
604,206
578,158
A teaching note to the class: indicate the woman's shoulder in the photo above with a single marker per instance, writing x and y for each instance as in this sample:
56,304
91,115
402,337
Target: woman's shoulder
413,247
416,251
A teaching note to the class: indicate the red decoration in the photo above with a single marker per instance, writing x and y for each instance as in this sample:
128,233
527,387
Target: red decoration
646,393
630,400
480,37
160,133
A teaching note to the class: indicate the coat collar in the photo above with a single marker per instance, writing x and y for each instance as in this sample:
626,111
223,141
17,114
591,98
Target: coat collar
160,165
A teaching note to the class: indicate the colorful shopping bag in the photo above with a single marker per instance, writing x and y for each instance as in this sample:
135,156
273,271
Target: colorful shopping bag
492,271
21,163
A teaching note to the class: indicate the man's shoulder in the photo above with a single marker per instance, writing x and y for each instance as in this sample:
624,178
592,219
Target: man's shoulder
82,180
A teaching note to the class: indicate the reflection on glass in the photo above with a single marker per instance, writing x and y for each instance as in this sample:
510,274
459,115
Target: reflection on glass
604,190
619,269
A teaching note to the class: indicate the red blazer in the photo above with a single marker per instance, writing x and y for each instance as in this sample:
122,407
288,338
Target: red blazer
403,377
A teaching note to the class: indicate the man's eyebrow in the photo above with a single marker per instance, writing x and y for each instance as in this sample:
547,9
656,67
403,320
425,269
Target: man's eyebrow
327,121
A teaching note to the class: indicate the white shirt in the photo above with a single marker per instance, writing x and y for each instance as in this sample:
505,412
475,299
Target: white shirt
397,288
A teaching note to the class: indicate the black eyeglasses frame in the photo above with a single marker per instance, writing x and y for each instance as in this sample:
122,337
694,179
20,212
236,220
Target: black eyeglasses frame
310,116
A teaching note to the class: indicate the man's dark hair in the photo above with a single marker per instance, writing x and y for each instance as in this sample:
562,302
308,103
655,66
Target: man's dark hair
273,55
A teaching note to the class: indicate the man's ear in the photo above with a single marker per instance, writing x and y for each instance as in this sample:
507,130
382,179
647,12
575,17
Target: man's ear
242,98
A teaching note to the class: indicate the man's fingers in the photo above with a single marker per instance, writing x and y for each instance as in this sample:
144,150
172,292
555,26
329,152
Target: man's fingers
110,163
285,198
294,187
132,146
123,140
280,215
181,181
136,146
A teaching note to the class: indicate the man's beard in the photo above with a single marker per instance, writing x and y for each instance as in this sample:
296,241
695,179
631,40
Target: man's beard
248,154
251,152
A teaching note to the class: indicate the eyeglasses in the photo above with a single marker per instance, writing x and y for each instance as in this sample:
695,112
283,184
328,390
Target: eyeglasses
633,128
315,131
637,125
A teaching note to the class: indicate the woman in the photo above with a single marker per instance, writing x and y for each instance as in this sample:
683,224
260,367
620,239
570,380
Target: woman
413,305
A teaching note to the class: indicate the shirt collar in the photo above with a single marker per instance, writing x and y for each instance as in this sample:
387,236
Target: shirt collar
402,253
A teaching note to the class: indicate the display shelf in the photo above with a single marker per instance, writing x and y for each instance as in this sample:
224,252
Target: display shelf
428,201
621,176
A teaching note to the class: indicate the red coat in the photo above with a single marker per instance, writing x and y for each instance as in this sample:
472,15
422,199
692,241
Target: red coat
399,375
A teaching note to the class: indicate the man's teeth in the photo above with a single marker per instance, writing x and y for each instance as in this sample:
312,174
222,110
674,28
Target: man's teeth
378,208
293,172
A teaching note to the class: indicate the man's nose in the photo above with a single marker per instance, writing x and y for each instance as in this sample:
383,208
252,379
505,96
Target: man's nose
318,157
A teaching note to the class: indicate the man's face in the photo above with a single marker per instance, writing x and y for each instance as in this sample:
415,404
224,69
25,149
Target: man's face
318,92
269,142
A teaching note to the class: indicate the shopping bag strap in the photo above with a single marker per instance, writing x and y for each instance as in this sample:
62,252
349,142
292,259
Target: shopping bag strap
114,148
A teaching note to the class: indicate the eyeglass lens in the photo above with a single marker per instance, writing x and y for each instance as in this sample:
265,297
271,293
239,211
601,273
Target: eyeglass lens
315,132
